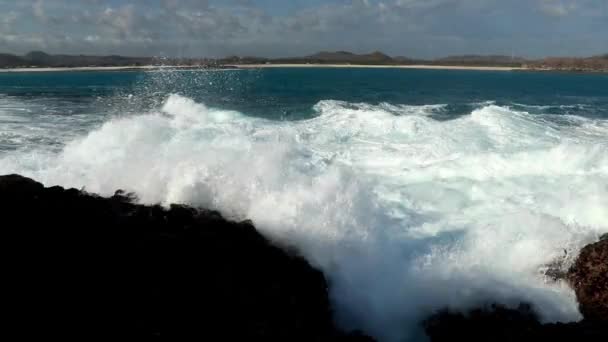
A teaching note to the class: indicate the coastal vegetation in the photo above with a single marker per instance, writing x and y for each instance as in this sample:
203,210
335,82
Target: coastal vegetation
38,59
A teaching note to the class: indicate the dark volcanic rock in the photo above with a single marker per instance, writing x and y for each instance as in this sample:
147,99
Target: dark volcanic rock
83,266
557,269
491,324
500,324
589,278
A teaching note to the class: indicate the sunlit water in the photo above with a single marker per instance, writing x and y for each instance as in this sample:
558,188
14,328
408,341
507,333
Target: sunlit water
413,190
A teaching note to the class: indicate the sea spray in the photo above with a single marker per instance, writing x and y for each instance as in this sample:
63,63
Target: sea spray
404,213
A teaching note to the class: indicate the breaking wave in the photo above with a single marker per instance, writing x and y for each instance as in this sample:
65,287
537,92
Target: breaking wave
405,214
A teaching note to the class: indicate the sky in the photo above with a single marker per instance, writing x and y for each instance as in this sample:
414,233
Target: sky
288,28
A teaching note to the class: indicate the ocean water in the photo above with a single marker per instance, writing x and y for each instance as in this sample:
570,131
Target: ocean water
413,190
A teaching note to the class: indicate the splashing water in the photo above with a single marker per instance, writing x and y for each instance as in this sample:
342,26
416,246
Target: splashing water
404,214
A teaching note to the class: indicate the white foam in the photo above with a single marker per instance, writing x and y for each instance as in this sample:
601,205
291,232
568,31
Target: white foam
326,106
404,213
32,124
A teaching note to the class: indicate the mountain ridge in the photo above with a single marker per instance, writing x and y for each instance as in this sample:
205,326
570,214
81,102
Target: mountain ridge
40,59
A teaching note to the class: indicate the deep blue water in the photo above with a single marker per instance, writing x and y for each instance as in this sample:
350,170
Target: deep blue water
90,98
291,93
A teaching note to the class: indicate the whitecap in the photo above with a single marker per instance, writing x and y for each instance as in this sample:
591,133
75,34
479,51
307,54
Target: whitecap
405,214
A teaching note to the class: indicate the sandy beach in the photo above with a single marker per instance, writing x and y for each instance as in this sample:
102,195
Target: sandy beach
145,67
260,66
121,68
437,67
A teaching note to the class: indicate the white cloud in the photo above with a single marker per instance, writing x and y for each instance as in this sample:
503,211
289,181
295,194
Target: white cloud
38,10
417,28
91,38
557,8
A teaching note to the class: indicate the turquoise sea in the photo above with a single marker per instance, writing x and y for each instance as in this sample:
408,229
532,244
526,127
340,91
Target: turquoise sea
413,190
287,94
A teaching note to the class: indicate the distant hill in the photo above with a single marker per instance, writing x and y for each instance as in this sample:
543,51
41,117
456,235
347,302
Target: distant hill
404,60
332,56
481,60
10,61
39,59
349,57
42,59
242,60
380,58
324,57
597,63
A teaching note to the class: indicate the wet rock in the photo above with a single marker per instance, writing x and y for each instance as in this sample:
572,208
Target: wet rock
79,265
557,269
589,278
494,323
501,324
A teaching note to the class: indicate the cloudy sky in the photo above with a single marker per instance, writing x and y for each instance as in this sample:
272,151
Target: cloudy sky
280,28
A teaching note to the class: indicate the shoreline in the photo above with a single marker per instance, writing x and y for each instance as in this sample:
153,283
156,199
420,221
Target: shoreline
280,66
57,69
259,66
365,66
114,68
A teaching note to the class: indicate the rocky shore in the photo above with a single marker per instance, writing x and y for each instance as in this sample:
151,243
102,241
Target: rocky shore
588,277
79,265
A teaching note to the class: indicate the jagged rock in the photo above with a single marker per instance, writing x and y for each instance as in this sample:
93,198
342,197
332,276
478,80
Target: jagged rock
589,278
604,237
500,324
557,269
78,265
495,323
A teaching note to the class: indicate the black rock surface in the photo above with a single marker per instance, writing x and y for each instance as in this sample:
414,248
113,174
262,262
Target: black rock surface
588,277
79,265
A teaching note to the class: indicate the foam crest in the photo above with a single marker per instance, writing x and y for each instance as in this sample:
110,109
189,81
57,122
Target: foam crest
405,214
328,106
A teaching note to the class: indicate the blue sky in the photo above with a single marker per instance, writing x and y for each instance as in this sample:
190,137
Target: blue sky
279,28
